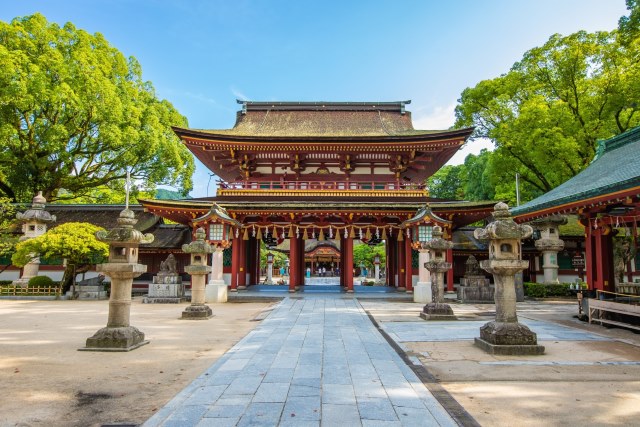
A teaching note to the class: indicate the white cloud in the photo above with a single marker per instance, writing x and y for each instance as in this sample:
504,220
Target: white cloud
437,119
440,118
238,94
471,147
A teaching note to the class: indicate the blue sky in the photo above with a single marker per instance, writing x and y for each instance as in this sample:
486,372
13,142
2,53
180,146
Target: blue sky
201,55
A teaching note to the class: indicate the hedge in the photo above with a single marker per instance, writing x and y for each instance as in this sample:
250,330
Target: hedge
540,290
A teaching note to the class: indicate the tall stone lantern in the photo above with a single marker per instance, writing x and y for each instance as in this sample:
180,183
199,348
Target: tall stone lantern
437,309
34,224
198,269
220,235
549,244
505,335
122,267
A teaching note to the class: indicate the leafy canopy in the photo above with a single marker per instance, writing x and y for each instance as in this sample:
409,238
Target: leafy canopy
75,114
547,113
74,241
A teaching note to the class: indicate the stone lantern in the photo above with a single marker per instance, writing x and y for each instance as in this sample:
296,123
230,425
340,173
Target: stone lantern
376,266
122,267
437,309
549,244
220,235
198,269
34,224
269,280
505,335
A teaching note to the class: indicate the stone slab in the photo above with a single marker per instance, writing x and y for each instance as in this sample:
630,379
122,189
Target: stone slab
509,350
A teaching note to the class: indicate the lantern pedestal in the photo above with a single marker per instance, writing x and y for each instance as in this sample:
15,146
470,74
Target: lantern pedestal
198,269
118,335
505,335
437,311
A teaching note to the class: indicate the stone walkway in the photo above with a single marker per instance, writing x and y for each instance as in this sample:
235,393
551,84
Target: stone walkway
317,361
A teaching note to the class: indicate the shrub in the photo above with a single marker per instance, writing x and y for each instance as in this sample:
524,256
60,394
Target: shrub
41,281
5,282
540,290
535,290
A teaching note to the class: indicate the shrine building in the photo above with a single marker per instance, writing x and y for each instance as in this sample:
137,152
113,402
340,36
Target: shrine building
328,172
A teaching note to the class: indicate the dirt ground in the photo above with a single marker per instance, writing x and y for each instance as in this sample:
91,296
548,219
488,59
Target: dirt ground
45,381
588,383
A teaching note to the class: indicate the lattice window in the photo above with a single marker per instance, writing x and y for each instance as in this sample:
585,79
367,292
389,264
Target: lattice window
425,233
215,231
226,257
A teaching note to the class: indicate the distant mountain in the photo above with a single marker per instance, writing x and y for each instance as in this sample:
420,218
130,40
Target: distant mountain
164,194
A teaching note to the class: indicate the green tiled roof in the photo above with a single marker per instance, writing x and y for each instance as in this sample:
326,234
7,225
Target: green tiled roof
616,168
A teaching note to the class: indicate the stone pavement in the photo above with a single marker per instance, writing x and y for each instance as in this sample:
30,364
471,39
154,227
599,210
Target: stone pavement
314,361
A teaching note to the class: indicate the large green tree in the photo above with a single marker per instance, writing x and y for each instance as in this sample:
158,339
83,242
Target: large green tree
75,114
547,113
447,183
74,242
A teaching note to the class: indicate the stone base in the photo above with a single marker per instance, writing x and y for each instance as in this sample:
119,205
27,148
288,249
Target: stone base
437,311
197,312
162,300
476,294
216,292
242,288
511,333
91,292
115,339
422,292
22,282
509,350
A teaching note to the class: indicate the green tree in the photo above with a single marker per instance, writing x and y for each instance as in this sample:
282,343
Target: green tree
74,242
365,254
447,183
8,238
478,185
629,26
75,114
547,113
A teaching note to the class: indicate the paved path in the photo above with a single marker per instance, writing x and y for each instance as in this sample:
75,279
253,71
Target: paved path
312,362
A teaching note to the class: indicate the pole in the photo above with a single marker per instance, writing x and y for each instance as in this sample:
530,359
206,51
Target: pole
517,189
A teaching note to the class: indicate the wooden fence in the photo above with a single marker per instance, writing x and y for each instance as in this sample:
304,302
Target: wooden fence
16,291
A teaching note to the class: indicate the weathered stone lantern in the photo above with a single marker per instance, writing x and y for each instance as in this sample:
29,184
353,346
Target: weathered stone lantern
269,279
219,226
549,244
437,309
34,224
376,266
122,267
422,225
505,335
198,269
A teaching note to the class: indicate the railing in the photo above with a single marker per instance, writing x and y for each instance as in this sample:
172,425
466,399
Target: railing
346,187
16,291
612,302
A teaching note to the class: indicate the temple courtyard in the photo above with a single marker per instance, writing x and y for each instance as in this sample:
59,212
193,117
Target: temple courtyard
312,359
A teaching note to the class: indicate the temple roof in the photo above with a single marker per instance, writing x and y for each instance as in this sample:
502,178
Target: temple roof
613,174
338,119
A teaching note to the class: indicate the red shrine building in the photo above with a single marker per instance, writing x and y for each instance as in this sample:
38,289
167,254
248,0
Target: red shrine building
333,172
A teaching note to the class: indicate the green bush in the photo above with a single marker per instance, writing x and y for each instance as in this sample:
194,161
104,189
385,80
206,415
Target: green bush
535,290
540,290
5,282
41,282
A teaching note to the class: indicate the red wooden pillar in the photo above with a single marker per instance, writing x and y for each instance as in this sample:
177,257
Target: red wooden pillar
348,261
401,265
589,256
251,261
294,264
257,260
235,263
242,264
390,263
408,265
450,271
605,279
302,269
342,263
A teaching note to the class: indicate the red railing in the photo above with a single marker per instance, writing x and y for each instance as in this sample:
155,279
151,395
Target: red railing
318,185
